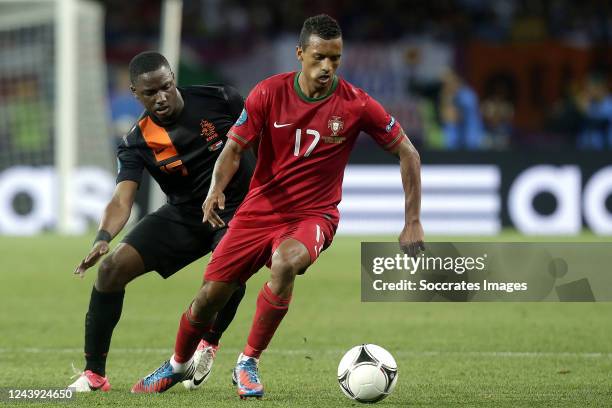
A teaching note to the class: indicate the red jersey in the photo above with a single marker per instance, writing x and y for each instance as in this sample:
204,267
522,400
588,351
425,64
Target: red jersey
304,146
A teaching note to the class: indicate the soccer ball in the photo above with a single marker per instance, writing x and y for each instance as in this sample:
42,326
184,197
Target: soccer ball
367,373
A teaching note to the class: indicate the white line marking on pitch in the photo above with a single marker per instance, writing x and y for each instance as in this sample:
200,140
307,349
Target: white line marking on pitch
509,354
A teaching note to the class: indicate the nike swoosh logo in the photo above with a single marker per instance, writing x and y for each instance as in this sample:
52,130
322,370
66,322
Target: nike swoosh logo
278,125
198,381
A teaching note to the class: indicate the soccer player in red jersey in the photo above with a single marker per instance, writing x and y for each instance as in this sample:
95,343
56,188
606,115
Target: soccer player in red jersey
306,124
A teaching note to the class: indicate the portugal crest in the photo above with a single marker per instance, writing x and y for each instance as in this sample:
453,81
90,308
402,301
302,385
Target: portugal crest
335,124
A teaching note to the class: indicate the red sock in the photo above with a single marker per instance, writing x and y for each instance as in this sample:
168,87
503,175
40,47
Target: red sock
269,313
188,336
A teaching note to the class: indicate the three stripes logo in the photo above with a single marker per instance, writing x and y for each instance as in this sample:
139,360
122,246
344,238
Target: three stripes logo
456,199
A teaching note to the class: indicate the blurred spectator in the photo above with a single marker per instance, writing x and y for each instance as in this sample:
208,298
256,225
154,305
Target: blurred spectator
460,114
530,23
595,103
28,117
125,109
242,41
565,118
497,110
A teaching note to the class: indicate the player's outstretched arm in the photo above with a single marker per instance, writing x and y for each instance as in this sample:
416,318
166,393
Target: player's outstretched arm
412,237
116,214
226,166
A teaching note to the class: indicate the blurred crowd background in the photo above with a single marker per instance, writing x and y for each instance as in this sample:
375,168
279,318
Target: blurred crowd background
508,102
458,74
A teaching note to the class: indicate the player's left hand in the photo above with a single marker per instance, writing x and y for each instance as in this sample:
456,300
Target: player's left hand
411,239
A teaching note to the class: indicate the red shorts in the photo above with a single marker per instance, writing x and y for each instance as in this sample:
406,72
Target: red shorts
243,251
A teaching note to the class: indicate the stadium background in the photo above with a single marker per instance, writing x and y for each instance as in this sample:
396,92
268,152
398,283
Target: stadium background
530,156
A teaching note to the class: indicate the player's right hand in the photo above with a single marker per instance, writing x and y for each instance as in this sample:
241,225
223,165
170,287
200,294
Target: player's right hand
99,249
214,199
411,239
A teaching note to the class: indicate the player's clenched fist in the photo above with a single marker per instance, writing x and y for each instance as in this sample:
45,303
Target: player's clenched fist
411,239
214,200
99,248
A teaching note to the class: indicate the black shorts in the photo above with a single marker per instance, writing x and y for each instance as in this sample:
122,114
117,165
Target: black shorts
173,237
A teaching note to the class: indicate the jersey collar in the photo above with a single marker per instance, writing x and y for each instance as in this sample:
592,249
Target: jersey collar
301,94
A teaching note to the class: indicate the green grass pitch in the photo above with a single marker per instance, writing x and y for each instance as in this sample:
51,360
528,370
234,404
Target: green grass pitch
469,354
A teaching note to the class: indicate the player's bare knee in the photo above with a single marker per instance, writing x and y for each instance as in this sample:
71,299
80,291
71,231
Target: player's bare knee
283,273
287,264
212,296
110,278
283,276
199,305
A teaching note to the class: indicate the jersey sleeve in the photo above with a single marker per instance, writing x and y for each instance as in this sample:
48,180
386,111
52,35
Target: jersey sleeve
249,125
380,125
235,102
129,164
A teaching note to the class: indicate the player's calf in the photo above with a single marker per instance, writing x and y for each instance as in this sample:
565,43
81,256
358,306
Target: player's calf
290,259
210,299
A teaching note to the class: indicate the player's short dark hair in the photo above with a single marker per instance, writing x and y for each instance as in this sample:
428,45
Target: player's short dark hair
146,62
322,26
